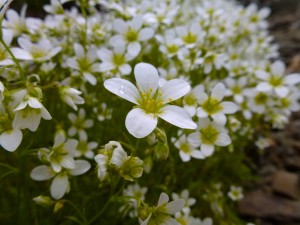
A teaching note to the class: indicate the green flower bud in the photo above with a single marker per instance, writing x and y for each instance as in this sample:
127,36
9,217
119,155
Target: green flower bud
161,151
132,168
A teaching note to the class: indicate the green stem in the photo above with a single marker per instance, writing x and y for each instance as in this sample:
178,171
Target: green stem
84,221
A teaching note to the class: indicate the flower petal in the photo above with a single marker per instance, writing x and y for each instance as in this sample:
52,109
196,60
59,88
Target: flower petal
223,140
163,198
81,166
174,89
278,68
146,77
175,206
123,88
207,150
178,117
140,124
218,91
59,186
11,139
40,173
229,107
146,34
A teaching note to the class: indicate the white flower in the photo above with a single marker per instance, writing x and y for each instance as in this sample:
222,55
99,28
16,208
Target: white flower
85,62
71,96
235,193
213,106
161,214
209,135
187,149
188,201
41,51
79,124
276,80
116,60
5,58
60,184
131,32
28,111
151,100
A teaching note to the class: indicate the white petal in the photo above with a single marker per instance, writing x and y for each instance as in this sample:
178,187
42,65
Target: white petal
40,173
79,51
140,124
90,78
59,186
120,26
146,77
292,79
223,140
219,118
264,87
197,154
175,206
34,103
81,166
262,74
229,107
11,139
123,88
194,139
146,34
207,150
178,117
105,55
68,162
137,22
45,114
134,48
278,68
21,54
282,91
174,89
125,69
118,156
201,113
218,91
163,198
184,157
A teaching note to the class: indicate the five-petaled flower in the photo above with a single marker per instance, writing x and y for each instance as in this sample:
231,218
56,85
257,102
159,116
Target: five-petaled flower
151,100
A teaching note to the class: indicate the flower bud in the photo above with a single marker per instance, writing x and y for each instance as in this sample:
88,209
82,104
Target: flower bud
161,151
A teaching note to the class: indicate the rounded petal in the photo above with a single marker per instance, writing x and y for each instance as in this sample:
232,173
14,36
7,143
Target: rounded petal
21,54
174,89
123,88
59,186
223,140
264,87
184,157
201,113
218,91
278,68
134,48
125,69
292,79
207,150
194,139
11,139
175,206
197,154
146,34
146,77
140,124
178,117
282,91
229,107
163,198
219,118
81,166
40,173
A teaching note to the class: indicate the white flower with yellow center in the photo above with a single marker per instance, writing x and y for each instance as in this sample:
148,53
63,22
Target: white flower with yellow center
209,135
151,100
212,105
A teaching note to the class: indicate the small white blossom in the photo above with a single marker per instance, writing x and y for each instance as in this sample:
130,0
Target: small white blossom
151,100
